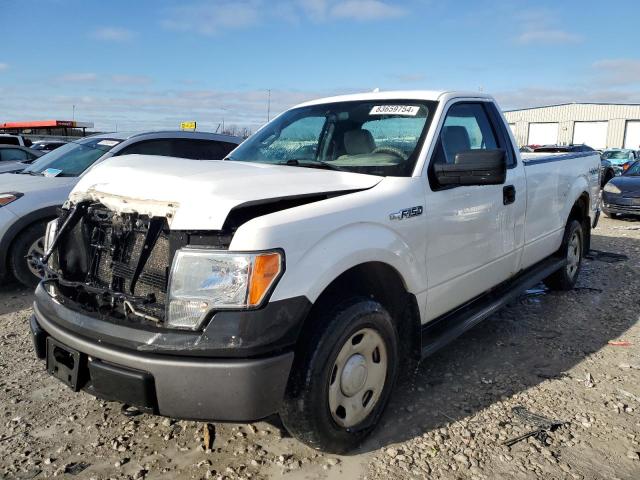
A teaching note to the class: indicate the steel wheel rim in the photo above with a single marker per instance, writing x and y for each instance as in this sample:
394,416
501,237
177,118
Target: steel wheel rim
34,254
574,250
358,377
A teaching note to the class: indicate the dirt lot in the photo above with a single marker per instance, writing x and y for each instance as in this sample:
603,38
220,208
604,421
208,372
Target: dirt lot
549,353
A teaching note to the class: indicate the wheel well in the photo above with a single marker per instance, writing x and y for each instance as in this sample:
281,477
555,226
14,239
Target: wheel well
580,212
381,282
17,235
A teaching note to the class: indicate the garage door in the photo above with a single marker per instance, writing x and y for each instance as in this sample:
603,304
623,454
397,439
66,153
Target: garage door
593,134
543,134
632,134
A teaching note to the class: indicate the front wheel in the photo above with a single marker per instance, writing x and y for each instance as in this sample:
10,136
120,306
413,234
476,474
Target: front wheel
342,377
573,251
25,255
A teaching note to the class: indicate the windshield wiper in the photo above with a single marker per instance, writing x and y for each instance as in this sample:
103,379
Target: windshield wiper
37,174
311,164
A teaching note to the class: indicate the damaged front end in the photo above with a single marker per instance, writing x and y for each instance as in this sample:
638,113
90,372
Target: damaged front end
115,265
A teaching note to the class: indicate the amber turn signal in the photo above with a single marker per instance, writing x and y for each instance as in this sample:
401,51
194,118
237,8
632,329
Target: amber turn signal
266,270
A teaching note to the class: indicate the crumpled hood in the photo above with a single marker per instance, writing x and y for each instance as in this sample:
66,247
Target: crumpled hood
199,194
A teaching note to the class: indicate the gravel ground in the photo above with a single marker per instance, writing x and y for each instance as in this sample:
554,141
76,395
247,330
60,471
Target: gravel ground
550,353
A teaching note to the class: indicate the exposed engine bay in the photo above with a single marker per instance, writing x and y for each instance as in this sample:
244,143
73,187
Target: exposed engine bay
116,265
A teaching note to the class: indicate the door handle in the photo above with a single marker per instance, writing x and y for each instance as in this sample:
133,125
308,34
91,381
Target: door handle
508,194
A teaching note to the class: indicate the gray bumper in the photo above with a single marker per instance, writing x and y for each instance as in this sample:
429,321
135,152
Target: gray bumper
190,387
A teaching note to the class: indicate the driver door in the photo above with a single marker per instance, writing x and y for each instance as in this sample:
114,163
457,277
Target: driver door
471,229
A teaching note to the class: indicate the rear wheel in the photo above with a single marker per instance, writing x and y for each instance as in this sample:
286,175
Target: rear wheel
573,251
27,249
342,377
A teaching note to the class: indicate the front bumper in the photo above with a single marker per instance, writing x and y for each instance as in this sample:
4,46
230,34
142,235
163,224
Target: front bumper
196,388
620,205
7,219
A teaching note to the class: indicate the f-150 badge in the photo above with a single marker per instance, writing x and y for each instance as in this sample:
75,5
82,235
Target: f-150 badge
406,213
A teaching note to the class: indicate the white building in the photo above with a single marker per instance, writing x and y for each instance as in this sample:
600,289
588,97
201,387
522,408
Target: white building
599,125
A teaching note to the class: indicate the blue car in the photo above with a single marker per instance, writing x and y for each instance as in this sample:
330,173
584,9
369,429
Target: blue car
621,195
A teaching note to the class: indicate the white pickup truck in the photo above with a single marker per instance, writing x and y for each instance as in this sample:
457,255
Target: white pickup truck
345,240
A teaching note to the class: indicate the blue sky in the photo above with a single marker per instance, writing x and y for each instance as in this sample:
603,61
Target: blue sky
151,64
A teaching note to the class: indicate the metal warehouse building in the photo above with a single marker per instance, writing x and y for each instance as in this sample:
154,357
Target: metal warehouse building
599,125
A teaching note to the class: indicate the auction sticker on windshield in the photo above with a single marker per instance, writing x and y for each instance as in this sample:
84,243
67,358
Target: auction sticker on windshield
51,172
408,110
109,143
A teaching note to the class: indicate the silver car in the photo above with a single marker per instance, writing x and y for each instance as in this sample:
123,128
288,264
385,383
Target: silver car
30,198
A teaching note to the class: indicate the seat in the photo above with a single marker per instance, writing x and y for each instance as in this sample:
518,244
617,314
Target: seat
358,142
455,139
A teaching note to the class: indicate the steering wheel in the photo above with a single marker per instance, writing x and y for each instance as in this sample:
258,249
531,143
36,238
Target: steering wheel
392,151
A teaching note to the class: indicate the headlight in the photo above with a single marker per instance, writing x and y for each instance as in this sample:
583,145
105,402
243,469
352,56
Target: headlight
7,198
611,188
52,229
202,280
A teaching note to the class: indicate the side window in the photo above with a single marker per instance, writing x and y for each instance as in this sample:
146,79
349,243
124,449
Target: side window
201,149
14,154
163,147
9,140
466,127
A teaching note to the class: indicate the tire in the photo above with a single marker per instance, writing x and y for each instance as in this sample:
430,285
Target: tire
573,250
328,374
30,241
608,176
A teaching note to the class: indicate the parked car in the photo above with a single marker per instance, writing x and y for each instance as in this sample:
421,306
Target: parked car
328,252
563,149
14,158
47,145
9,139
621,195
615,161
30,199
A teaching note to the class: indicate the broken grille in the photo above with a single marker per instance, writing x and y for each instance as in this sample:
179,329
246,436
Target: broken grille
116,264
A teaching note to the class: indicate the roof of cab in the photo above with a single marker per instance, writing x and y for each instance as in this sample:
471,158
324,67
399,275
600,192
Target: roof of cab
432,95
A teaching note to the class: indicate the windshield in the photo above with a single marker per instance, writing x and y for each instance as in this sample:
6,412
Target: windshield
633,170
373,137
73,158
616,155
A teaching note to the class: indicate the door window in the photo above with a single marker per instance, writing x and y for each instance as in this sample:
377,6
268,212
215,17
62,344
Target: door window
466,127
13,154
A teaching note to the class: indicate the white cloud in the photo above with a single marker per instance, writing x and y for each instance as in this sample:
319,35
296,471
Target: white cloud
536,96
131,79
547,37
364,10
112,34
78,78
211,18
4,66
542,27
617,71
154,108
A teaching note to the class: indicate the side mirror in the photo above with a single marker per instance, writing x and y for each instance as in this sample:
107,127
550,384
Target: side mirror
473,167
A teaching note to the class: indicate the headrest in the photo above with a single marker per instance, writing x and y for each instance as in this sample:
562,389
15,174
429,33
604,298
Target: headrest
455,139
358,141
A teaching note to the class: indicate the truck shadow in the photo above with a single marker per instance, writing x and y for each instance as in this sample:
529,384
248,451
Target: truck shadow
540,336
14,297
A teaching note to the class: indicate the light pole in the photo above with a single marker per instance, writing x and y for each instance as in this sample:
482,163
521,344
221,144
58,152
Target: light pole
73,115
269,106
